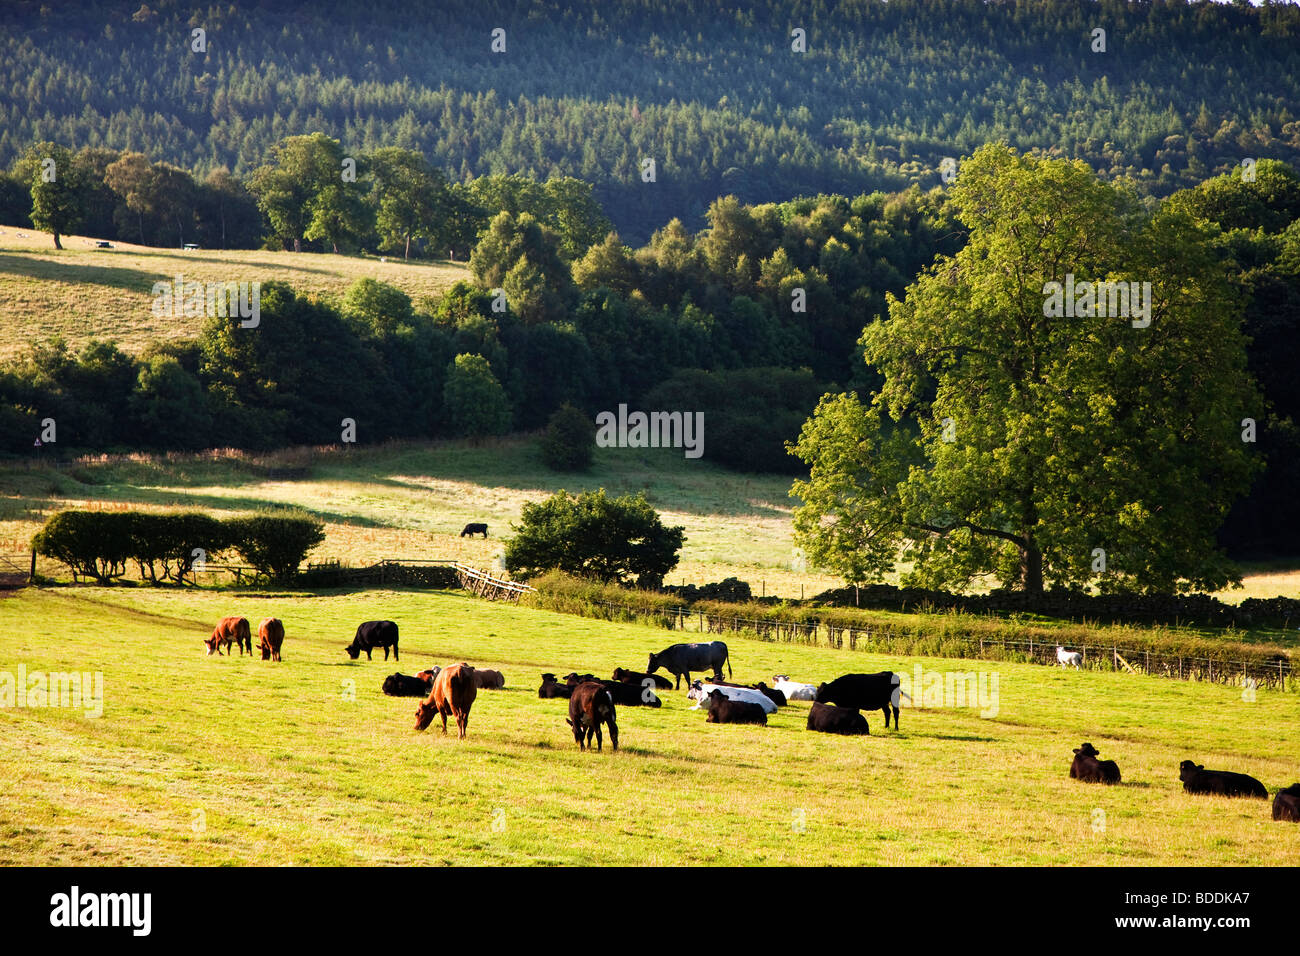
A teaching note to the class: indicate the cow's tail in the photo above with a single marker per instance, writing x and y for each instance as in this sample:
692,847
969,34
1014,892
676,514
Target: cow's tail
729,674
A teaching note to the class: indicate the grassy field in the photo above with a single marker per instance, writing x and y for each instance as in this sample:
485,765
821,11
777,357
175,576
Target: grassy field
412,500
236,761
82,292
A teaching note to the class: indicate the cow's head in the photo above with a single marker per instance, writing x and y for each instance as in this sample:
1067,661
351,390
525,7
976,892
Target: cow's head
1187,769
424,715
713,697
654,664
820,696
695,691
1087,750
211,643
548,678
353,651
618,673
777,678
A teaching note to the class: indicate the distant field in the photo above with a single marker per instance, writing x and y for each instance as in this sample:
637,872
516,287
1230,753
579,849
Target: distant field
411,500
83,292
200,760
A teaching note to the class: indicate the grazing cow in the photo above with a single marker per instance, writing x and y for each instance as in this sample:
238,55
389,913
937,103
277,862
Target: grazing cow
270,633
1089,769
864,692
453,693
403,685
230,630
1225,783
1286,805
681,659
792,690
474,528
829,719
726,710
373,634
552,688
640,677
1068,658
590,706
489,680
700,691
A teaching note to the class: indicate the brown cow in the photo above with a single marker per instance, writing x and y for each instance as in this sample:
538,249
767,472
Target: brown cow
489,680
229,631
271,635
590,706
453,693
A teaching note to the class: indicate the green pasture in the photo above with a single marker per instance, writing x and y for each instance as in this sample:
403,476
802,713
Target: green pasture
199,760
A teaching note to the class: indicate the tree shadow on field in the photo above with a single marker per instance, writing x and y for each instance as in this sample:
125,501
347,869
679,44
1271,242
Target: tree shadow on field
128,280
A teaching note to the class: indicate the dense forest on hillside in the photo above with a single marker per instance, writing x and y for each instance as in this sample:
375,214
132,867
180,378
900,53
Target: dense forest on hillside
715,94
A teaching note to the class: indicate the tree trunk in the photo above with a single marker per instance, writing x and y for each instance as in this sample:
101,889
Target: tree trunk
336,247
408,246
1031,568
297,244
57,244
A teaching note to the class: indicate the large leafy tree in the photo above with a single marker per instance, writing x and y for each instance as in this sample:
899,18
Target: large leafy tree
474,399
593,535
1011,440
59,188
411,198
299,190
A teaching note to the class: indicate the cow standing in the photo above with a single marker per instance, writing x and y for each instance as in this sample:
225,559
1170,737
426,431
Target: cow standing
590,706
230,630
864,692
270,635
373,634
474,528
681,659
453,693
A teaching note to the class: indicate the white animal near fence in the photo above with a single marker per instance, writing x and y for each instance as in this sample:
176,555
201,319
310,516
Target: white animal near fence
1068,658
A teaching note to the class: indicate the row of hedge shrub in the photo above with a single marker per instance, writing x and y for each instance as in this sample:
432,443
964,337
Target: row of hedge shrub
952,633
101,545
1170,609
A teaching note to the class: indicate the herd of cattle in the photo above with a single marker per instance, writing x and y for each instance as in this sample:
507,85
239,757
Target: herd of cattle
837,706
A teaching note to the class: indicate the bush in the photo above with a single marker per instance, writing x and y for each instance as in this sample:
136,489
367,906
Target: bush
94,544
171,540
275,544
474,400
569,442
592,535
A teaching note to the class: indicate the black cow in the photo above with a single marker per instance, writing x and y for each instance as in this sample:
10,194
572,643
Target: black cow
1225,783
829,719
589,707
404,685
637,677
573,679
863,692
681,659
723,710
1286,805
474,528
373,634
1089,769
775,696
551,688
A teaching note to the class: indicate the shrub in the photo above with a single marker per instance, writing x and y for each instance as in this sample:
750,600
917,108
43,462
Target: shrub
569,442
275,544
94,544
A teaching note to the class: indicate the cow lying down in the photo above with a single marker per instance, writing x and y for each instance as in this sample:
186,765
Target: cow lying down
404,685
792,689
724,710
701,690
1224,783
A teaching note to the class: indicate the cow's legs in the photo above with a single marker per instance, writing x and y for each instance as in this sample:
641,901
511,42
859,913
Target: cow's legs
613,734
600,741
394,650
444,723
368,657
